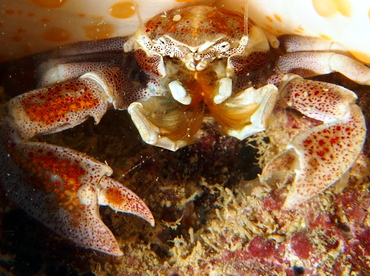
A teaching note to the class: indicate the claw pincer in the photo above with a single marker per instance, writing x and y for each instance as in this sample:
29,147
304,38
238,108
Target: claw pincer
321,155
61,187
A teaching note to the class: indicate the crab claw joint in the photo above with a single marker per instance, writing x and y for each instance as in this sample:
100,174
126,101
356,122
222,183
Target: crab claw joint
63,189
320,156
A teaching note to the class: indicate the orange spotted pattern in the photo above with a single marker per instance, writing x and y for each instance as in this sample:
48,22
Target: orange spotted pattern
114,196
54,106
200,22
58,178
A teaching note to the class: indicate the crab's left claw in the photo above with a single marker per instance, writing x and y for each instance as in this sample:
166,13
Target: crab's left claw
319,156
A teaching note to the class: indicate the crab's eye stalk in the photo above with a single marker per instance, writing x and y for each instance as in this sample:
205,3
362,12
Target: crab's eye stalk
161,45
223,46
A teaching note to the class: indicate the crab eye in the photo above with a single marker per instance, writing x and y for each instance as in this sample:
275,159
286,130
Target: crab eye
224,46
162,41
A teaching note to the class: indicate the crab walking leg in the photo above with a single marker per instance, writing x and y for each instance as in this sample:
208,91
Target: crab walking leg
71,61
67,71
310,56
309,64
322,154
60,187
78,52
66,68
90,47
298,43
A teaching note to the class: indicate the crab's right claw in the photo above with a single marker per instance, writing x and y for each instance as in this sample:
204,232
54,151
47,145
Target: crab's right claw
122,199
63,189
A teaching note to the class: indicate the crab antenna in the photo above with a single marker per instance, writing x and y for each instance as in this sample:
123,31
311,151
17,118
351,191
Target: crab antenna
140,19
140,163
244,40
246,17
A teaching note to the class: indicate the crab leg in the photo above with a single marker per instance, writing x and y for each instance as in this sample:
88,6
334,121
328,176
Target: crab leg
322,154
307,64
71,61
309,56
298,43
66,68
60,187
51,73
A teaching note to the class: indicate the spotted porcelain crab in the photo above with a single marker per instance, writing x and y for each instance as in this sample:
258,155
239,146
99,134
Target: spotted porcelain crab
181,66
